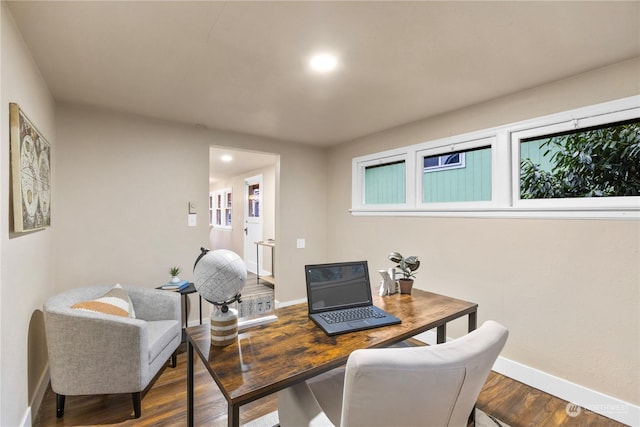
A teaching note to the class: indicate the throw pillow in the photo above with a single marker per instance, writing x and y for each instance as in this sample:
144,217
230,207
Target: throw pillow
116,302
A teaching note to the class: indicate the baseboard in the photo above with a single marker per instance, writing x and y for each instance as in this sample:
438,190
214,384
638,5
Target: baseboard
579,396
36,401
292,302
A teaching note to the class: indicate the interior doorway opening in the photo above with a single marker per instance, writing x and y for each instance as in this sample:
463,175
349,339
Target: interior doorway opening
243,188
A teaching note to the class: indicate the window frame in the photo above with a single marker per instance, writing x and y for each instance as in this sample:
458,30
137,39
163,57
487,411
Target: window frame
583,203
222,208
442,147
505,173
358,185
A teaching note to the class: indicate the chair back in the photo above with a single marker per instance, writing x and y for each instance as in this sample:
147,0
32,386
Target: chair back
432,385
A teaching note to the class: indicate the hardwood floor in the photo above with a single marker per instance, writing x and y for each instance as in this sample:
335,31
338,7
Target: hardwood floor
165,404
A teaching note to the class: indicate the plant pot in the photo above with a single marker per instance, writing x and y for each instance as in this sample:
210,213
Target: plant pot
175,279
405,285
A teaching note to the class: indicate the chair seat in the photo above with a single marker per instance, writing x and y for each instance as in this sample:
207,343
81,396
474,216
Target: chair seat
161,333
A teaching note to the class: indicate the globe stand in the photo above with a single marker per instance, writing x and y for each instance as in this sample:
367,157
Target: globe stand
224,325
224,322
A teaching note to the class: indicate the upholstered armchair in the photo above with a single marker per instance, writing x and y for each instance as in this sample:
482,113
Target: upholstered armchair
412,386
91,352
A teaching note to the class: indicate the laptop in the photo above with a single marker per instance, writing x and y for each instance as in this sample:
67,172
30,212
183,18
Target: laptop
339,298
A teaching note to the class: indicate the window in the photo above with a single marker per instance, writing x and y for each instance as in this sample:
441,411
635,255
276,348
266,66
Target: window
462,176
445,161
602,161
587,163
220,208
254,200
583,163
382,181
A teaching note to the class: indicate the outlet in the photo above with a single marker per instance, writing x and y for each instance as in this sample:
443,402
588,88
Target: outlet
301,243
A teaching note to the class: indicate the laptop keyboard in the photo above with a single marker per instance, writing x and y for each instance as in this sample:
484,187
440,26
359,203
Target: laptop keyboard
351,314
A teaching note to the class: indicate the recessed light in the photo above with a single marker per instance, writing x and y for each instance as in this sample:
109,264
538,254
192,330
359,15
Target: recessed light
323,62
226,158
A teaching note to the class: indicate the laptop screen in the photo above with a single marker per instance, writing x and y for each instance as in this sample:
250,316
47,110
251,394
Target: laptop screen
338,285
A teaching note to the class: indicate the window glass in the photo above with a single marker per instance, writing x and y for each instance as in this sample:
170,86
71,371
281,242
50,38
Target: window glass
220,208
463,176
385,183
254,200
600,161
445,161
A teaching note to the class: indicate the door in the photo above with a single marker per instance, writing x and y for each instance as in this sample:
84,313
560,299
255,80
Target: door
252,222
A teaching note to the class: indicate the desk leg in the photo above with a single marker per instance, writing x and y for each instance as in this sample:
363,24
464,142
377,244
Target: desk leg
473,321
233,418
189,383
442,334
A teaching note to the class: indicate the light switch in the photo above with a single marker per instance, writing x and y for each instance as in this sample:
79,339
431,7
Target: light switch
301,243
192,221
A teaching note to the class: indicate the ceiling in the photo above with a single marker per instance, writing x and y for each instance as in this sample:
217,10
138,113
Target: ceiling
241,65
241,163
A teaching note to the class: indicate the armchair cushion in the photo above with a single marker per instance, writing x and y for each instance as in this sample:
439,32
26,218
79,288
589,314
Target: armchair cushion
116,302
161,334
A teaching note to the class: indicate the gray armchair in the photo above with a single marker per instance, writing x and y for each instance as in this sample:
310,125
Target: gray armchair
95,353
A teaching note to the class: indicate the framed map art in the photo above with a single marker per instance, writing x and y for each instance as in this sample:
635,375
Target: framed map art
30,173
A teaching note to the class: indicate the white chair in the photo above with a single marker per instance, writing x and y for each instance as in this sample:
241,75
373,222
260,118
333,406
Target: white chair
416,386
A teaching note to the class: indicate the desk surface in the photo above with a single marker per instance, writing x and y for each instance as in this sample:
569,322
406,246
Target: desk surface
272,357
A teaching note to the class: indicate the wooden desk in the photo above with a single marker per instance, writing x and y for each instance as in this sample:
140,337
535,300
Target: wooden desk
272,357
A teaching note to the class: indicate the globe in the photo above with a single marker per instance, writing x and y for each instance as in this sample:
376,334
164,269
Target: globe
219,276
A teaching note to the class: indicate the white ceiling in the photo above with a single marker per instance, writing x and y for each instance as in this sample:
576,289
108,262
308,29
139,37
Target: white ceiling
241,163
241,65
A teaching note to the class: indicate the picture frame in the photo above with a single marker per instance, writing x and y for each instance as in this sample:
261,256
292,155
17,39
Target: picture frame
30,173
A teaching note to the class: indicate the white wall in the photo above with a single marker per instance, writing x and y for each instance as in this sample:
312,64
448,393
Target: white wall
124,183
124,186
568,290
26,262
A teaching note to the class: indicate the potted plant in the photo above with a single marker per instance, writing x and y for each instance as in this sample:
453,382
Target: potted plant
407,267
174,271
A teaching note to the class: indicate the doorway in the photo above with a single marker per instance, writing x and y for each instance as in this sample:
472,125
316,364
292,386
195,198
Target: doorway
235,177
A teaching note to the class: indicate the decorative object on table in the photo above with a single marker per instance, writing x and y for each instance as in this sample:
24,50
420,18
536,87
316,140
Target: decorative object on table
175,286
388,284
30,173
407,268
219,276
256,308
174,271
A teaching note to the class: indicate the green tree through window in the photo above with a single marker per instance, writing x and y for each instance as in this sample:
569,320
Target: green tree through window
595,162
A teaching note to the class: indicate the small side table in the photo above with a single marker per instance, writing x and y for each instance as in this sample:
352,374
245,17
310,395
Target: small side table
185,292
271,280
